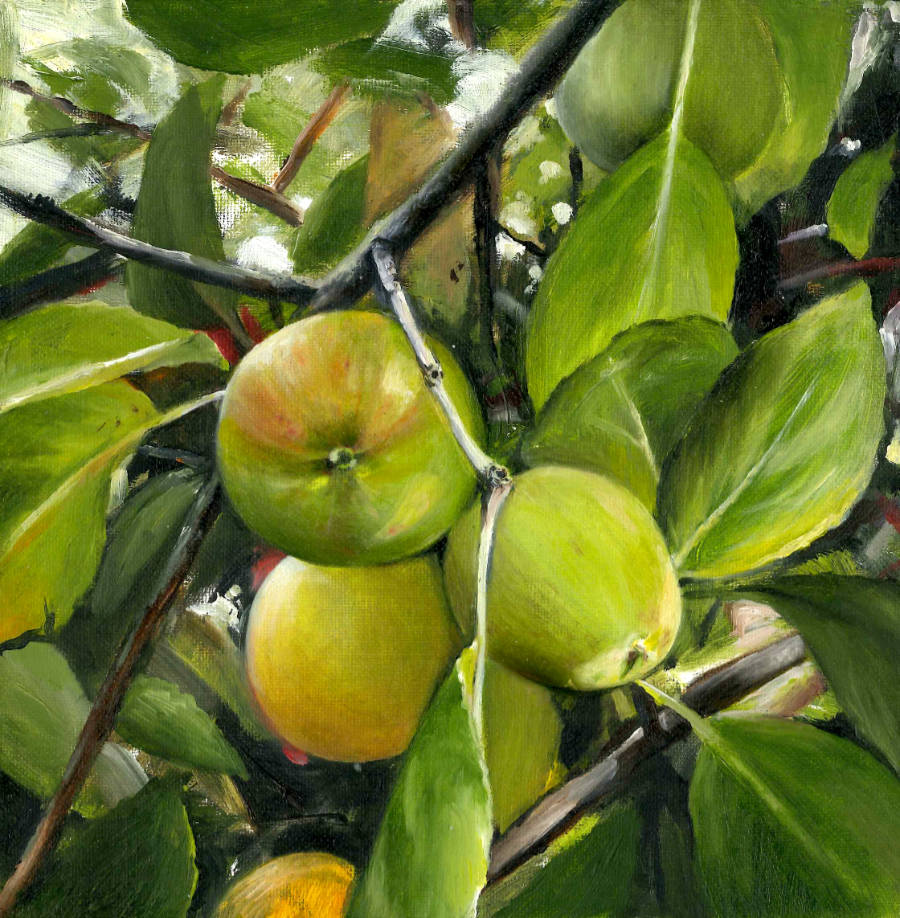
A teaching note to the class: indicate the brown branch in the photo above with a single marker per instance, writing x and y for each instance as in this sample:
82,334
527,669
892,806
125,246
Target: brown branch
710,693
870,267
462,21
102,718
262,195
229,112
309,135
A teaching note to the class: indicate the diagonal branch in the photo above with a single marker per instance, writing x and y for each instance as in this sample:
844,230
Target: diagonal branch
710,693
102,718
869,267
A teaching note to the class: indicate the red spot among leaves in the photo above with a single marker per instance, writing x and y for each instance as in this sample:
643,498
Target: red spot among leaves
224,341
296,756
890,510
254,329
96,286
264,565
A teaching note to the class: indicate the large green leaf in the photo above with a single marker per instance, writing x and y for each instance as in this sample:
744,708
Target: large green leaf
42,711
852,628
587,873
854,202
66,348
37,247
137,860
790,820
166,722
240,37
812,41
335,221
431,854
176,210
656,240
56,458
621,413
782,447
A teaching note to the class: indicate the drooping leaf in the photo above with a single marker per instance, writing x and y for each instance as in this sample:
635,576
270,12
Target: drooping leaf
852,628
854,202
37,247
164,721
334,223
56,458
621,413
233,36
137,860
656,240
790,820
782,447
175,210
42,711
812,40
430,856
67,348
586,873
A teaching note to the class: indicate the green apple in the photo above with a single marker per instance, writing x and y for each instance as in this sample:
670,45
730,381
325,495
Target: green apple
581,591
522,729
619,93
332,448
343,661
309,883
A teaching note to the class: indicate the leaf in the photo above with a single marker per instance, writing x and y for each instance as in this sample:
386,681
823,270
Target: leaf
622,413
137,860
782,447
334,222
430,856
37,247
56,458
854,202
790,820
176,210
42,711
514,25
852,628
656,240
66,348
233,36
812,41
587,873
166,722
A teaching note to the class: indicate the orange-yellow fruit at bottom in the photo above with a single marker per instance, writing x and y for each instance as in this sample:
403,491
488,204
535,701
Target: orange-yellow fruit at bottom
344,660
307,885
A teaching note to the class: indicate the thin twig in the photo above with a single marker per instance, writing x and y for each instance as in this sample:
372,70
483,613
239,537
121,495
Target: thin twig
309,135
462,21
194,267
229,112
484,214
710,693
262,195
576,170
20,296
866,268
489,472
531,247
101,720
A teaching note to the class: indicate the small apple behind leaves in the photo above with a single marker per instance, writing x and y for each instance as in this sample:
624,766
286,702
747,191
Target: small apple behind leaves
343,661
581,591
332,448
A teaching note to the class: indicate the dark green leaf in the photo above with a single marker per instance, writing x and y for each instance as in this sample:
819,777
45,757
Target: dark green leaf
38,247
621,413
514,25
430,857
782,447
137,860
852,628
790,820
587,873
656,240
42,711
67,348
166,722
239,37
175,210
854,202
57,458
335,221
